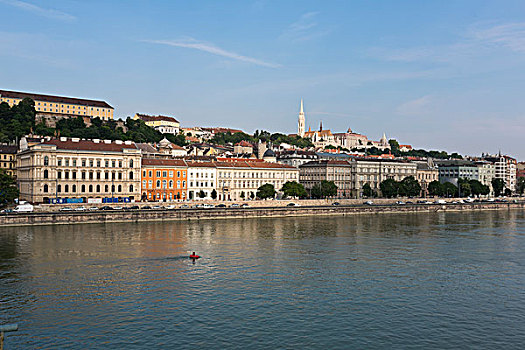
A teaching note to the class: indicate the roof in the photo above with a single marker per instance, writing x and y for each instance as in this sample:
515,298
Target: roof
163,162
90,145
269,153
8,149
146,148
151,118
244,143
54,99
220,130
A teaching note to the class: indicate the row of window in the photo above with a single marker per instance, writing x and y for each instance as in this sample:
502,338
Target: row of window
90,188
164,173
255,175
84,162
164,184
91,175
71,106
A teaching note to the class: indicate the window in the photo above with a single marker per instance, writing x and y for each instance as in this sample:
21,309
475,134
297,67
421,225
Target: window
59,161
158,183
164,173
131,188
119,188
144,184
46,174
106,175
113,162
66,188
107,163
106,188
158,173
113,176
120,164
46,160
83,188
131,175
171,173
98,175
178,173
90,188
59,174
91,175
74,162
46,188
98,188
171,183
98,163
67,161
91,163
131,163
150,183
74,174
164,184
83,162
120,176
144,173
183,184
74,190
59,188
112,188
178,183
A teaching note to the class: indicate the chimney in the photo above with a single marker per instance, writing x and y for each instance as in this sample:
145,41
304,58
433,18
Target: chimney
63,139
75,139
107,141
96,140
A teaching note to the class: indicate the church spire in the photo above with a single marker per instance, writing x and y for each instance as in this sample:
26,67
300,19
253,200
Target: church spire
321,126
301,122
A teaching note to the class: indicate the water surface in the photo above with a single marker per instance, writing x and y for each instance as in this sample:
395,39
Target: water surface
442,280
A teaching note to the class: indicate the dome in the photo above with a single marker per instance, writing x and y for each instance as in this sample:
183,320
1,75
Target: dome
269,153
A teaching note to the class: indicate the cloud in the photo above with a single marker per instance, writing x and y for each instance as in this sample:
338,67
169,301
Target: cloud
191,43
44,12
415,107
511,35
304,29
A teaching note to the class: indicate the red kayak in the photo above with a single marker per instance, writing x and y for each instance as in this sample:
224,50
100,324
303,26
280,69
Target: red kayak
194,256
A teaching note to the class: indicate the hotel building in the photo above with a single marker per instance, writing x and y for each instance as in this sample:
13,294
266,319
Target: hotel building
161,123
75,169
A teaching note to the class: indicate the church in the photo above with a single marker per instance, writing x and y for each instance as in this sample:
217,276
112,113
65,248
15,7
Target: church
349,139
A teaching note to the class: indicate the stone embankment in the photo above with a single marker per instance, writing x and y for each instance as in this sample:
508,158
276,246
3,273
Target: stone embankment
143,215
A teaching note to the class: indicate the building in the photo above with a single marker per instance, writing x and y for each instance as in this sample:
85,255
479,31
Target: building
161,123
169,148
296,158
240,180
50,109
486,173
163,180
8,159
405,148
351,175
243,147
79,170
453,170
505,169
202,176
426,172
520,170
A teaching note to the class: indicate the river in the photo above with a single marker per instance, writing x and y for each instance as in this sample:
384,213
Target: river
441,280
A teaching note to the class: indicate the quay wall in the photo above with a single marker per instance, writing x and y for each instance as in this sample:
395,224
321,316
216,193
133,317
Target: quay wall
73,217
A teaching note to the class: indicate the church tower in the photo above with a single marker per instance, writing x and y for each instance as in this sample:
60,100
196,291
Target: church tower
301,123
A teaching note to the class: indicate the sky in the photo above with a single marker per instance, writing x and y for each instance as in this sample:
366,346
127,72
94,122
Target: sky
447,75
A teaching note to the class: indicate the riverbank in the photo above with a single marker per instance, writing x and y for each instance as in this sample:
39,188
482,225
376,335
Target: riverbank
85,217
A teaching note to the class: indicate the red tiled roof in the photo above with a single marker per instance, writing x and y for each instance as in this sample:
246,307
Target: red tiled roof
163,162
89,145
244,143
54,99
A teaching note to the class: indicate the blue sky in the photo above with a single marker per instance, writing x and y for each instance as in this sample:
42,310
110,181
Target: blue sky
435,74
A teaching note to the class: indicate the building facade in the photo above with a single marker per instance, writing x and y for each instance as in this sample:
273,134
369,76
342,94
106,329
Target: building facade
8,159
505,169
49,107
163,179
70,168
161,123
426,172
296,158
453,170
202,178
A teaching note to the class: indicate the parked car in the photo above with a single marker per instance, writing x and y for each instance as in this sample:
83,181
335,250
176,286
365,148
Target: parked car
106,207
64,209
134,207
221,206
400,203
441,201
184,206
291,205
6,211
147,207
336,203
207,206
118,208
369,203
157,207
244,205
92,208
235,205
171,207
80,209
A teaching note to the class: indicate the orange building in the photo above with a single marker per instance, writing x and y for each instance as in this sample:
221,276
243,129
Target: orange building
164,180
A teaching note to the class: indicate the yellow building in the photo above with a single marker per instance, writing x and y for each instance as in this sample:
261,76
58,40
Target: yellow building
8,159
162,123
59,106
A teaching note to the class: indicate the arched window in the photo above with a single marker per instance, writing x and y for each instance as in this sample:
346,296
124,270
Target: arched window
164,184
119,189
46,188
59,188
171,183
112,188
98,188
158,183
74,188
131,175
106,188
66,188
90,188
46,174
46,160
130,188
83,188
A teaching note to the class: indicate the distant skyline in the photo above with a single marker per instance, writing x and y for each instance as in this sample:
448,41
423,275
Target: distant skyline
434,74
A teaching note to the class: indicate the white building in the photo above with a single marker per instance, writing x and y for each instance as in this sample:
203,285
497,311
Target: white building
202,178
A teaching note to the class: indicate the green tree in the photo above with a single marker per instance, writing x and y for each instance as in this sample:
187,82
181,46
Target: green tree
243,195
520,185
410,187
435,188
316,191
202,194
465,189
450,190
328,188
266,191
389,188
476,187
497,186
394,146
214,194
367,190
8,188
294,189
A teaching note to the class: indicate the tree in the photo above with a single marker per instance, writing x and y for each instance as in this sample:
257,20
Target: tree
508,192
520,185
294,189
410,187
497,186
316,191
450,190
8,188
202,194
389,188
476,187
367,190
394,146
214,194
266,191
328,188
252,195
435,188
464,188
243,195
